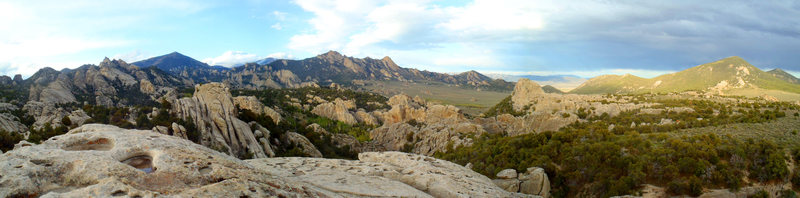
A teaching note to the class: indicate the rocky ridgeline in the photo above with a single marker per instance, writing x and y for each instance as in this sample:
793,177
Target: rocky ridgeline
103,161
104,83
549,111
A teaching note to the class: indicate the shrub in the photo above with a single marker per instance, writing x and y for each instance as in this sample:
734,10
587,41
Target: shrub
8,139
760,194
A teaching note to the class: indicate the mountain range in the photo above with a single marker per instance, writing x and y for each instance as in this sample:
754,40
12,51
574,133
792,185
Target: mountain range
727,74
112,80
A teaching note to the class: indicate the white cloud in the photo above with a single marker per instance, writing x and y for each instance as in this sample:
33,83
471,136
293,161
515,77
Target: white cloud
553,33
280,55
277,26
232,58
132,56
51,33
279,15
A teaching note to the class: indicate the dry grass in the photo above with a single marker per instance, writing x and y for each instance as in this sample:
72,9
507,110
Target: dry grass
471,101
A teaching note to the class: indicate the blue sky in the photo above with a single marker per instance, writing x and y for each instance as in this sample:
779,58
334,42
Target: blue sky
583,37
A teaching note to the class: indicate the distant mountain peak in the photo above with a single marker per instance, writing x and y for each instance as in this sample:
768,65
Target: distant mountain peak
331,54
783,75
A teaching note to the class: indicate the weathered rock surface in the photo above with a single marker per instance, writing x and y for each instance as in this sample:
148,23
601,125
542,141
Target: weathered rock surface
10,123
213,111
535,182
525,92
47,113
337,110
366,118
251,103
104,161
435,126
302,142
507,174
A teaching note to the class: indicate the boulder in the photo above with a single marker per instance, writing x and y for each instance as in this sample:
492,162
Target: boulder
510,185
535,182
337,110
302,142
179,131
507,174
525,92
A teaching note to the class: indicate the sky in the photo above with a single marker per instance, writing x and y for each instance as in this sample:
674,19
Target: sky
532,37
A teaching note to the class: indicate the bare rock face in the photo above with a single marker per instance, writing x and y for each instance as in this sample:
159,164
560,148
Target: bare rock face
9,122
337,110
535,182
104,161
524,92
213,111
145,86
366,118
251,103
304,144
393,136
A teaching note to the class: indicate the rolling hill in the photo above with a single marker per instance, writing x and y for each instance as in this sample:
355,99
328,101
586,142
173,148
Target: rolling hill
779,73
726,74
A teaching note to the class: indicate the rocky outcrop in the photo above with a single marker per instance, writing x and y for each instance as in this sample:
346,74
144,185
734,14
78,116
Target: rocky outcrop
109,83
105,161
253,104
434,127
535,182
48,113
9,122
337,110
303,143
214,113
366,118
532,182
524,93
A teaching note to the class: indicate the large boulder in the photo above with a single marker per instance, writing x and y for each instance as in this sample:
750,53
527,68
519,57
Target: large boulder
337,110
525,92
535,182
303,143
104,161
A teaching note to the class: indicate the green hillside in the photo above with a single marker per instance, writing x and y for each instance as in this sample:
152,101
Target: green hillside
783,75
729,73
